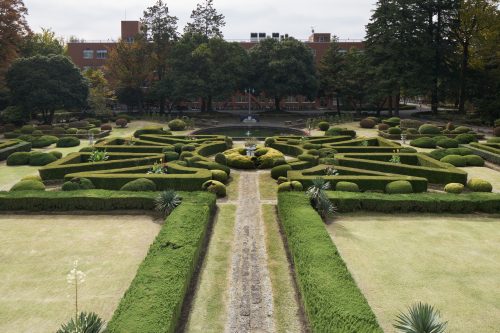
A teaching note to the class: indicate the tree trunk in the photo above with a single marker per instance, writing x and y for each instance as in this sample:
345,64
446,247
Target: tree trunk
203,106
209,103
398,98
277,102
463,73
338,105
437,65
162,105
390,105
51,117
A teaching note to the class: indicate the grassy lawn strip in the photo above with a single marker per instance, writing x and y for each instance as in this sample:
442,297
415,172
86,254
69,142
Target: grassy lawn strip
416,202
285,304
208,313
154,299
332,300
233,186
267,186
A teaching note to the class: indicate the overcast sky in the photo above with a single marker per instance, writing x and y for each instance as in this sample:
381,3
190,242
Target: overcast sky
100,19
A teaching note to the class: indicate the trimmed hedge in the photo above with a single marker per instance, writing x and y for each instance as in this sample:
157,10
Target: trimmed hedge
68,141
424,142
479,185
399,187
177,125
28,185
347,187
155,297
429,129
13,146
139,185
41,159
454,188
465,203
331,298
19,158
455,160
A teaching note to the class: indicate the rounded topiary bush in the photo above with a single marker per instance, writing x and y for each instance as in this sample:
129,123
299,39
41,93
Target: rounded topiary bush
70,186
141,184
151,130
462,151
455,188
293,142
307,158
68,141
327,152
220,176
367,123
347,187
438,154
19,158
429,129
313,152
35,177
72,130
177,125
462,129
323,126
424,142
383,127
215,187
266,158
496,131
220,158
399,187
28,185
269,142
392,122
44,141
106,127
311,146
375,119
479,185
27,129
121,122
94,131
290,186
408,150
282,180
41,159
474,160
171,156
280,171
447,143
455,160
57,154
394,130
466,138
412,131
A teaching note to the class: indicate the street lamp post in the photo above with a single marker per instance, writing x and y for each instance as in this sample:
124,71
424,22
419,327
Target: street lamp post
249,91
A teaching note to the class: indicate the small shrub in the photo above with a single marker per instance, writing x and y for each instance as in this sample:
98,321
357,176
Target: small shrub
455,160
347,187
410,123
383,127
141,184
466,138
394,130
450,127
474,160
28,185
44,141
57,154
307,157
167,201
399,187
177,125
215,187
290,186
82,132
459,151
70,186
455,188
72,130
18,158
85,322
323,126
36,177
27,129
41,159
220,158
94,131
269,141
106,127
421,318
479,185
313,152
121,122
367,123
282,180
171,156
219,175
375,119
424,142
68,141
412,131
408,150
429,129
447,143
280,171
496,131
462,129
293,142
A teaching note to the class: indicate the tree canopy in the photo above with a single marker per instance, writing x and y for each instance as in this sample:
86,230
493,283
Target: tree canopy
206,21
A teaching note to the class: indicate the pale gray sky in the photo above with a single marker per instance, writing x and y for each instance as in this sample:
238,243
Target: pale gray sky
100,19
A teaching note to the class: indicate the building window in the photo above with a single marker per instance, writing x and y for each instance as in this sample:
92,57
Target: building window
342,51
321,39
130,39
88,54
101,54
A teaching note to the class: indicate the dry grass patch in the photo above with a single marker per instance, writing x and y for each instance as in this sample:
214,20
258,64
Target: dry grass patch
37,251
233,185
450,261
267,186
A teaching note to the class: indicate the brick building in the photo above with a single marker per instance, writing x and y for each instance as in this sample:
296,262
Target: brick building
90,54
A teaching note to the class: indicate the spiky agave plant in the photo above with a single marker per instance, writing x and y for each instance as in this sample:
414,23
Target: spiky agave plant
420,318
317,194
166,202
85,323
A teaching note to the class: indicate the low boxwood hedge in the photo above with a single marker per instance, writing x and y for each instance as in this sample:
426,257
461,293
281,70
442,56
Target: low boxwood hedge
139,185
68,141
12,146
332,301
28,185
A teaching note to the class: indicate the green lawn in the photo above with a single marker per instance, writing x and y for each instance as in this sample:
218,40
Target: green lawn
9,175
37,251
208,313
233,186
267,186
450,261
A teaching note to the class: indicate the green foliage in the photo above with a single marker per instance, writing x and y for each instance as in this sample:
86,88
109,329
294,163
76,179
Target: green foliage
220,158
290,186
455,160
406,150
323,126
367,123
220,176
420,318
98,156
171,156
41,159
307,158
44,141
280,171
151,130
474,160
394,130
399,187
167,201
70,186
28,185
19,158
269,141
317,194
461,129
455,188
347,187
68,141
177,125
27,129
140,184
331,298
85,322
78,184
424,142
479,185
429,129
215,187
493,140
496,133
410,123
466,138
447,143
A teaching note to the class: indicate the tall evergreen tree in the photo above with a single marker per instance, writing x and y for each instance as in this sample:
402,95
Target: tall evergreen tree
330,70
206,21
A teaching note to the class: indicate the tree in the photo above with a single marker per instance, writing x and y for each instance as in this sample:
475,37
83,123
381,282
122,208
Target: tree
13,29
43,43
128,69
330,69
283,68
206,21
99,92
355,85
45,84
160,29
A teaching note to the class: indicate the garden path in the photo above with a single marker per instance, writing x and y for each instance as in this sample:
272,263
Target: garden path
250,293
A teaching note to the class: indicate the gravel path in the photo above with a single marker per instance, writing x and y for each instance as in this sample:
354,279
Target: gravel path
251,299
